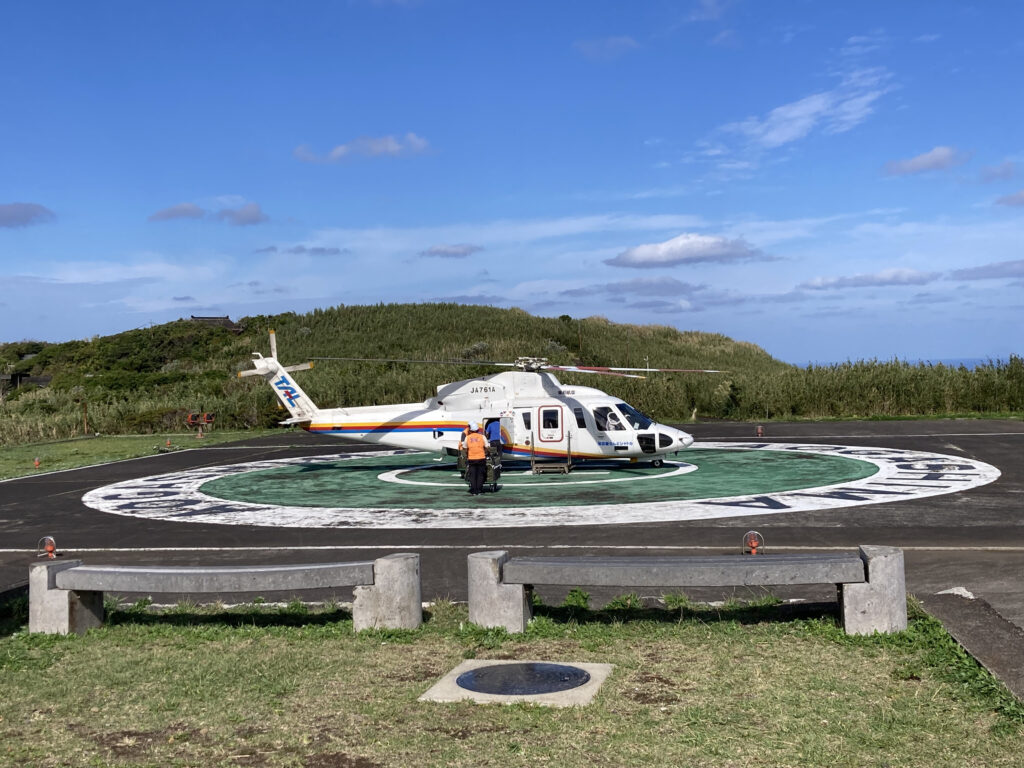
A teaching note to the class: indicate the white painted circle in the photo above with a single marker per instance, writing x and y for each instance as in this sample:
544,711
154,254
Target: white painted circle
394,476
901,475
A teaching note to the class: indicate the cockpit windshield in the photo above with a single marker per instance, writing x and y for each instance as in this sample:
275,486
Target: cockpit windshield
635,417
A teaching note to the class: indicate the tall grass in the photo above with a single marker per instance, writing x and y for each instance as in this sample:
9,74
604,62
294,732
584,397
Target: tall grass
148,380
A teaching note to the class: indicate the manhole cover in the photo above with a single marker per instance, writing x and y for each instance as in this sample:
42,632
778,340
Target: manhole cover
523,679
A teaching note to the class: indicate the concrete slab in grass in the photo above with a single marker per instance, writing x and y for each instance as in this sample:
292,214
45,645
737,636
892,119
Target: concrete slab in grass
446,689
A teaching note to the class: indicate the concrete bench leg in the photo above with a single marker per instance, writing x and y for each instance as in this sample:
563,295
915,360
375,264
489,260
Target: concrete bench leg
55,611
880,605
394,599
491,603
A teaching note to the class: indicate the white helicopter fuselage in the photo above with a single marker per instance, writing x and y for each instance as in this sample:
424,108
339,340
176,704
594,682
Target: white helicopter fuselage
539,417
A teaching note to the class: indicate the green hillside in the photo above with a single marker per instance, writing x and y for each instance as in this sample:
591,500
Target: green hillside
148,379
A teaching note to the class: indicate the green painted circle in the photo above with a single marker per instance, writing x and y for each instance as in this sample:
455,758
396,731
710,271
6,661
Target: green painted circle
355,482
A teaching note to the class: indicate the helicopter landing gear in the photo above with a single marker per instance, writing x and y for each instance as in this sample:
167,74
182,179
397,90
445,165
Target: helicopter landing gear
657,463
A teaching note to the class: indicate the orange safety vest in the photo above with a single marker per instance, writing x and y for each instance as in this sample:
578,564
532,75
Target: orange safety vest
462,437
476,445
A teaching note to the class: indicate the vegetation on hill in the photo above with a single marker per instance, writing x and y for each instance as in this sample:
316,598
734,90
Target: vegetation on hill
149,379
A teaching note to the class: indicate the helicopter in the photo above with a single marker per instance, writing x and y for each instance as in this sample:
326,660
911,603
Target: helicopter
540,417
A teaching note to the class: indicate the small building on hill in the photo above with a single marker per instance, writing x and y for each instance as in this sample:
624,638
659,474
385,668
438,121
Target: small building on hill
11,381
223,322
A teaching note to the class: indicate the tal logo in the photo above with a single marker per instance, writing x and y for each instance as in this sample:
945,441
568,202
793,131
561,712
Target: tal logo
287,389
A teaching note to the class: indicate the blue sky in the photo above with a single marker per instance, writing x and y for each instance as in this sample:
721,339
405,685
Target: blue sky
827,180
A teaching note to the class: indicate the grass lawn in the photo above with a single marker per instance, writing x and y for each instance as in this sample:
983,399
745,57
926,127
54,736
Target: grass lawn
694,686
19,460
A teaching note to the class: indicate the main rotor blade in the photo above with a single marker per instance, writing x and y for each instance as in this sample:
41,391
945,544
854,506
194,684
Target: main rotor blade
530,364
607,369
591,369
426,362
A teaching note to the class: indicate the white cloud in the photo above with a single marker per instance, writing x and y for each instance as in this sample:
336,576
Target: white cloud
834,111
499,232
688,248
647,286
367,146
23,214
887,277
314,250
605,48
459,251
246,215
727,38
1016,199
664,307
708,10
151,269
858,45
937,159
179,211
994,271
1004,171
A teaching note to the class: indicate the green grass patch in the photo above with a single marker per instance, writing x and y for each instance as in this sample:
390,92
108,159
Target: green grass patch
760,684
19,460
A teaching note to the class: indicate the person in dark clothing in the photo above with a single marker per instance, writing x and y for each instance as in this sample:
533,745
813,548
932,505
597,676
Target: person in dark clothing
476,461
462,450
493,433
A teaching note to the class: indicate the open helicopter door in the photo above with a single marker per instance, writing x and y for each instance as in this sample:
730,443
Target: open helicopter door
553,446
508,430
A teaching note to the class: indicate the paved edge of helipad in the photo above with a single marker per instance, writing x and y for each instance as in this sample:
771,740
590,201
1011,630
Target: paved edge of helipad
994,642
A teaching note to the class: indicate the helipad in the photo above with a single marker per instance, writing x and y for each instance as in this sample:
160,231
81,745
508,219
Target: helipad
394,489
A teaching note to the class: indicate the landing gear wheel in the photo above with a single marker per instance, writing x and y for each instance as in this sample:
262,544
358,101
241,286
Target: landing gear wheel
657,463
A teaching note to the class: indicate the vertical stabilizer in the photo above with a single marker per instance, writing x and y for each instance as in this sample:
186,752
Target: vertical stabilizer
287,390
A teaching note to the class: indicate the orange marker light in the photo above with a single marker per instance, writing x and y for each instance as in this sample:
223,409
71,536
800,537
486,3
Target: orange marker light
47,547
752,542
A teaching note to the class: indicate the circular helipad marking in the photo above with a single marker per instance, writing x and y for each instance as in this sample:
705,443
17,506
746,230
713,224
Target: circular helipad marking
519,477
719,488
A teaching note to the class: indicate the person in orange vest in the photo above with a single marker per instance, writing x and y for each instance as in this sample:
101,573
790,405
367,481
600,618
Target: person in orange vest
476,460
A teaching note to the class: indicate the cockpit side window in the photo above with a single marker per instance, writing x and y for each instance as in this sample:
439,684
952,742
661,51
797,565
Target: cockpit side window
581,420
633,416
607,419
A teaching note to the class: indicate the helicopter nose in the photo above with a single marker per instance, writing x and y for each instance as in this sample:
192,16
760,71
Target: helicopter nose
685,439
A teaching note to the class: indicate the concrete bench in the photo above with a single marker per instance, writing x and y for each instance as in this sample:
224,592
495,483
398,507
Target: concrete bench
68,596
872,589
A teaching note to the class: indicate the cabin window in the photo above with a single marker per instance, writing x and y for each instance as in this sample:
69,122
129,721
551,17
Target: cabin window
526,420
581,420
549,418
607,419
